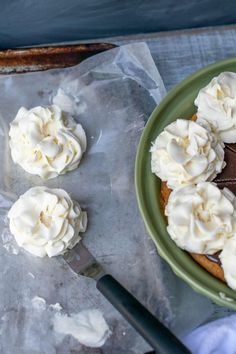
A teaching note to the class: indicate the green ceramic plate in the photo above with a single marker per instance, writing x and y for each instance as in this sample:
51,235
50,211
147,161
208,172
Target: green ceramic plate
179,103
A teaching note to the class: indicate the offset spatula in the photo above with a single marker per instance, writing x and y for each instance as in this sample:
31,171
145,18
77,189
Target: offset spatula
154,332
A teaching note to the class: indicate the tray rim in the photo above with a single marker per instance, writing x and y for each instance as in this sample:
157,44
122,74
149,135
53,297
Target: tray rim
22,60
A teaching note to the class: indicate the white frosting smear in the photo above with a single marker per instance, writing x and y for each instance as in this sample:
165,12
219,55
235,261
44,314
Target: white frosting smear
45,222
65,102
201,217
228,260
46,142
216,103
186,152
88,327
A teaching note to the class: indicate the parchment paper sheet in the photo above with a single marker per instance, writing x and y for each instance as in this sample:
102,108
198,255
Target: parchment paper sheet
113,94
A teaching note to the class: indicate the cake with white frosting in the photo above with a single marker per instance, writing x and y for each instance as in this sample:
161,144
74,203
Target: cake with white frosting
197,169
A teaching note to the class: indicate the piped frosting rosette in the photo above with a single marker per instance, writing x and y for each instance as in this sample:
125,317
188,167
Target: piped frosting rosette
187,153
46,222
46,142
216,103
201,218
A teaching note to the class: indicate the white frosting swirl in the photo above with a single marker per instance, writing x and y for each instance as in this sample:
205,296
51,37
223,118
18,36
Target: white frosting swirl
46,142
201,217
185,153
216,103
228,257
46,221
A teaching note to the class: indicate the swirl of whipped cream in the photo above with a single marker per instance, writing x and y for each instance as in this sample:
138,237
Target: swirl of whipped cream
201,217
186,152
46,221
46,142
216,103
227,257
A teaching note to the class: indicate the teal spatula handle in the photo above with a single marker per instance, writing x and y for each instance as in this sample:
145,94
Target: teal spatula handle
153,331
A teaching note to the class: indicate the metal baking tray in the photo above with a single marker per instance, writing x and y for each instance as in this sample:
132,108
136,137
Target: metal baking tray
43,58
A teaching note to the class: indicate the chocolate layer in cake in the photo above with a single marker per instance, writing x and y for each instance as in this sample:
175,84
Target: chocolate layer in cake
214,258
227,178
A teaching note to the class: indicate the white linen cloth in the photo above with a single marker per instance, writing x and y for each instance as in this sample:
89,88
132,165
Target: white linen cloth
217,337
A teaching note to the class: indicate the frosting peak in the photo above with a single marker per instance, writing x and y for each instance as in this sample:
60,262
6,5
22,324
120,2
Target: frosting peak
46,221
186,152
46,142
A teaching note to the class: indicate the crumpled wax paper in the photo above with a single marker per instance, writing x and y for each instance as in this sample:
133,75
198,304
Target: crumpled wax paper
112,95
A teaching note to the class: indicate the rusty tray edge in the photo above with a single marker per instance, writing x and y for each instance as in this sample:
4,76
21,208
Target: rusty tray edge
44,58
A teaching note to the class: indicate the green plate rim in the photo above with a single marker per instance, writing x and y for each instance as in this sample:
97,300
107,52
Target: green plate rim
196,284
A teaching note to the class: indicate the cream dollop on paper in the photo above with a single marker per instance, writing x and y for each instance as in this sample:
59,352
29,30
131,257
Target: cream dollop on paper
228,257
216,103
45,222
88,327
46,142
201,217
186,152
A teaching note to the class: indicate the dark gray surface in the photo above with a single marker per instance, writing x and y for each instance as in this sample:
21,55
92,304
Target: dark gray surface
31,22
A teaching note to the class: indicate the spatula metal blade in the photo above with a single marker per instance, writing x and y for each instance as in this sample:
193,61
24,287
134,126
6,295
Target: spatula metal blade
82,262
